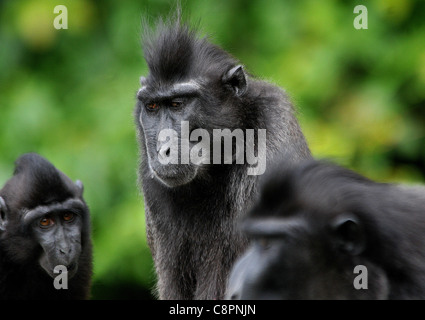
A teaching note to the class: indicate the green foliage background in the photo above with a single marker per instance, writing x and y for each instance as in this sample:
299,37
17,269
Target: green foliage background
69,95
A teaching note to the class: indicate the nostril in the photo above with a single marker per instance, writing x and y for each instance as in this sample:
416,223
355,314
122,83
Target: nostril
234,296
164,153
65,251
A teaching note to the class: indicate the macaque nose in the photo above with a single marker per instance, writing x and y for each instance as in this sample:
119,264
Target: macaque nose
164,152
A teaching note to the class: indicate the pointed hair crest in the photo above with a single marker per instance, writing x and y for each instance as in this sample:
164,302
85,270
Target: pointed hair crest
175,51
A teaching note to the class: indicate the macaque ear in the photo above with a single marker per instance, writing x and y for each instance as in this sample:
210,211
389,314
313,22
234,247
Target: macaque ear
3,217
235,78
80,186
348,233
142,81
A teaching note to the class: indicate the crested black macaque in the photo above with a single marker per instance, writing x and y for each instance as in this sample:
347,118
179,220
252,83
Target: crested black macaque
320,231
44,231
197,91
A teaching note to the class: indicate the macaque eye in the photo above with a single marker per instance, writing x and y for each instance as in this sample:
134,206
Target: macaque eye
264,243
45,222
176,104
68,217
152,106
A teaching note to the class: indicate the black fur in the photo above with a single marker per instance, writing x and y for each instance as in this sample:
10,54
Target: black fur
36,182
314,223
190,220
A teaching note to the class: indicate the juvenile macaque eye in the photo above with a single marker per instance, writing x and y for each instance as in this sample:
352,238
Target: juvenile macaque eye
152,106
45,222
68,216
